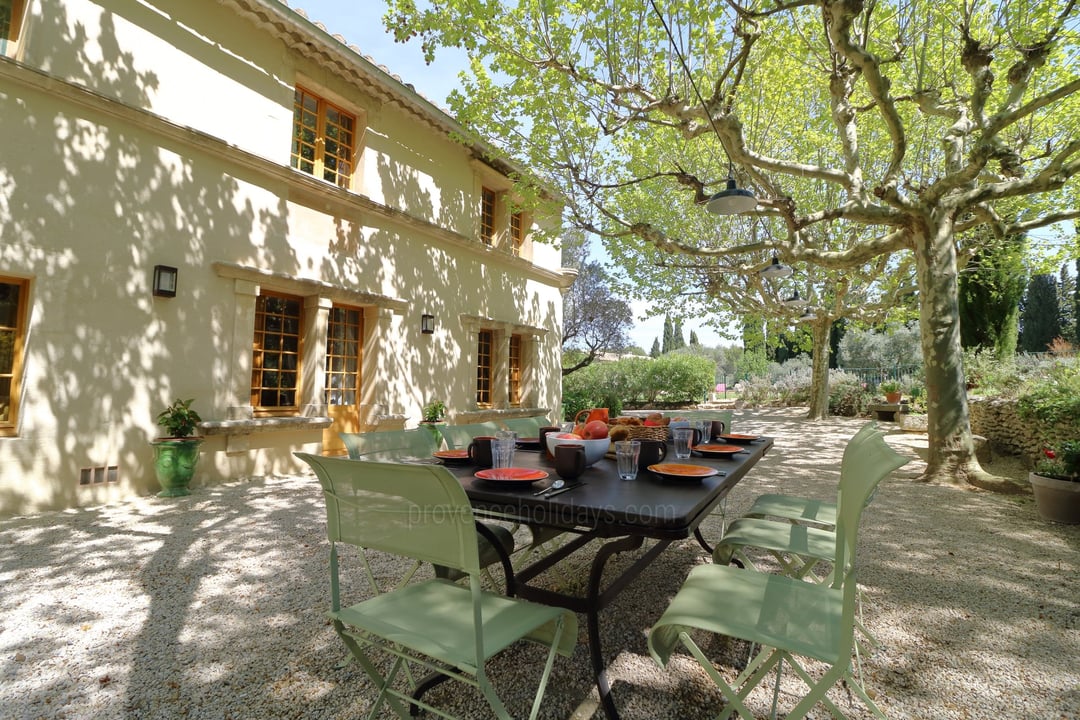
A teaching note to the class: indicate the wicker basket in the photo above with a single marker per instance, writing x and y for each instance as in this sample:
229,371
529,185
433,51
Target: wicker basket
644,432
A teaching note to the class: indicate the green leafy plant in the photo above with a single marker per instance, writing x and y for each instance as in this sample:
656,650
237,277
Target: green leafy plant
889,386
1053,397
179,419
434,411
1062,462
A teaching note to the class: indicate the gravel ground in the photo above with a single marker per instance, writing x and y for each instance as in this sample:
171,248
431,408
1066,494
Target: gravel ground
212,606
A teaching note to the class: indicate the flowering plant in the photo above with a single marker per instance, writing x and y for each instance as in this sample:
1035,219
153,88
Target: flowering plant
1063,462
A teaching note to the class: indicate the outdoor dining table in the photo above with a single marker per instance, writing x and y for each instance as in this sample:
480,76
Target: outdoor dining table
621,514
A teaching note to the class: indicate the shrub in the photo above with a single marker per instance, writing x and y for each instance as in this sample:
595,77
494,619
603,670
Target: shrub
848,395
1052,397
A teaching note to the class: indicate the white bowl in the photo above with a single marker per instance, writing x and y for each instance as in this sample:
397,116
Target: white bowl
594,449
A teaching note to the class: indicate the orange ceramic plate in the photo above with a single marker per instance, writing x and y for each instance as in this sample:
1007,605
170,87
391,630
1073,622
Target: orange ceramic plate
736,438
720,450
511,475
452,456
680,470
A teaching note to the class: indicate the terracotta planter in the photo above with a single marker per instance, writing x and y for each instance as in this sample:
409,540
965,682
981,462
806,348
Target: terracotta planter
1056,500
893,398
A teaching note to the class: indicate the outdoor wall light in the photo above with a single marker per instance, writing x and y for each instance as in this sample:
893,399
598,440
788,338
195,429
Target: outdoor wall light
427,324
165,281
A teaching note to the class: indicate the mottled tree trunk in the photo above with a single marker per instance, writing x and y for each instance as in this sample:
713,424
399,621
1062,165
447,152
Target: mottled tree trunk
819,379
952,452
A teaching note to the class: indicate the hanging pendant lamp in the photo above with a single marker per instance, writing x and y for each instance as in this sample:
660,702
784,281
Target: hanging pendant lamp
731,200
795,300
776,270
807,316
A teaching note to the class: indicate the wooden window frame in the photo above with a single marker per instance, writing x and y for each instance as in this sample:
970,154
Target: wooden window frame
332,322
515,369
259,352
323,123
9,427
485,368
14,29
489,203
517,232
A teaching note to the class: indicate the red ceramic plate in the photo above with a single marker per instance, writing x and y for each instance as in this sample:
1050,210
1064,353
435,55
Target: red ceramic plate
452,456
529,443
683,471
717,450
736,438
511,475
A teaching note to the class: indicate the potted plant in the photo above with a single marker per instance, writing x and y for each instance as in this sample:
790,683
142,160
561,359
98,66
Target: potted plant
434,412
1055,482
175,455
891,390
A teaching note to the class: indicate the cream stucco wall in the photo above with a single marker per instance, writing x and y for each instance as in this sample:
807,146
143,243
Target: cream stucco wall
158,133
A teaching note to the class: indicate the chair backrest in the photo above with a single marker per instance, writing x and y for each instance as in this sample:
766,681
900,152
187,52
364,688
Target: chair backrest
526,427
459,436
388,445
416,511
866,462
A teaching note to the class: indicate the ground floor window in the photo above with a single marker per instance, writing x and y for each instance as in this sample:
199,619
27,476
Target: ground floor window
344,340
515,368
275,364
13,298
485,356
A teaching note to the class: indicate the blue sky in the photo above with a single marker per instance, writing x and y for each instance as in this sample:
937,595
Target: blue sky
360,23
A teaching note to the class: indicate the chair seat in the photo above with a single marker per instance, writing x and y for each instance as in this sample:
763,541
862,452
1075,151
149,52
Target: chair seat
790,507
801,540
772,610
435,618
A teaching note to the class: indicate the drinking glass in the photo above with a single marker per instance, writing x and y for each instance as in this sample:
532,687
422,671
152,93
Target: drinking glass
626,457
683,436
502,450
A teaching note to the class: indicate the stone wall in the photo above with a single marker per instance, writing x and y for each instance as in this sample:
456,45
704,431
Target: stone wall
1009,434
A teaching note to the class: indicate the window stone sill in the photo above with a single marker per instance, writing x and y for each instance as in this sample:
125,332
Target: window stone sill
236,432
476,416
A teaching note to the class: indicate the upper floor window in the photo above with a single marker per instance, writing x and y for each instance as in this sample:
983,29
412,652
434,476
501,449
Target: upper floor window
275,363
13,297
517,232
11,17
488,199
324,138
485,362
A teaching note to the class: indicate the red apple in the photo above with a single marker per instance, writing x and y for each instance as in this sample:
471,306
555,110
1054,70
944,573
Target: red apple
596,430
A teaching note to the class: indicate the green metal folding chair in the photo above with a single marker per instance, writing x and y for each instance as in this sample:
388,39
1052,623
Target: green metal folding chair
799,549
391,444
459,436
800,509
398,445
526,427
785,617
421,512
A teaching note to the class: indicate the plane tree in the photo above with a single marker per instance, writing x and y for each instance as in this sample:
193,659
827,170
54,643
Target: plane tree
930,119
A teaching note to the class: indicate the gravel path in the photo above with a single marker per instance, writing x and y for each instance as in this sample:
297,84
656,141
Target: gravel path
211,607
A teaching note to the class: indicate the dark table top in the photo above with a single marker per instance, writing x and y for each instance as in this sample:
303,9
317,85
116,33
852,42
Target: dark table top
650,505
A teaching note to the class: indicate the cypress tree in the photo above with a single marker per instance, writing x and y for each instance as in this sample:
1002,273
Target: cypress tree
655,352
1039,315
